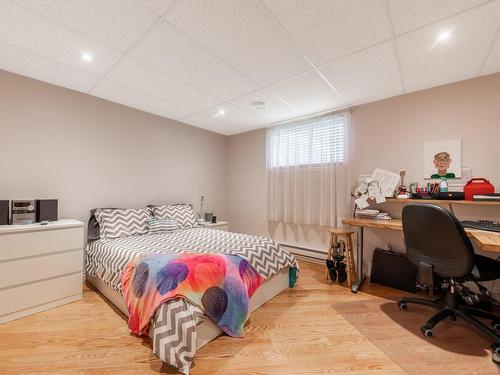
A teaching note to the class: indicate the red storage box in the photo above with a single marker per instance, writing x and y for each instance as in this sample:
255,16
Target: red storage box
477,186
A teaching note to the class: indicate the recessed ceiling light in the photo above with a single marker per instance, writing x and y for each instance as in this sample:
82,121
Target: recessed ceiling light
259,105
220,113
443,36
86,56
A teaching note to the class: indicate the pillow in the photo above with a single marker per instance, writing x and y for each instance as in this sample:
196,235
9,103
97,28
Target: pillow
122,222
182,213
162,225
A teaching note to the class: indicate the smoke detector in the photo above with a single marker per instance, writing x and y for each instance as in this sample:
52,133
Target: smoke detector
259,105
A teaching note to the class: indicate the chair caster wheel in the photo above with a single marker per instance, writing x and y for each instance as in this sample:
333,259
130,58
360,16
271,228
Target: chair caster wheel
402,306
426,331
496,325
496,354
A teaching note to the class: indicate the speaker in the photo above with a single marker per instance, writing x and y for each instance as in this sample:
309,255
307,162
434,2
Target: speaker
46,210
4,212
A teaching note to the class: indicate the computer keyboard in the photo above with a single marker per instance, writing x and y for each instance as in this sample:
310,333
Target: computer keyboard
492,226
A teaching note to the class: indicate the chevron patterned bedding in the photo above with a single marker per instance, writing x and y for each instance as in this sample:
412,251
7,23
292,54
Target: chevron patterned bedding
176,344
106,259
174,333
122,222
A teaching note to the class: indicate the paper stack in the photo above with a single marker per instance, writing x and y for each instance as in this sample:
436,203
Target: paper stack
366,214
372,214
383,216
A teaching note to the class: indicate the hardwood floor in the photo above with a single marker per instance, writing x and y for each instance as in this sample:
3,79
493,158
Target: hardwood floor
298,332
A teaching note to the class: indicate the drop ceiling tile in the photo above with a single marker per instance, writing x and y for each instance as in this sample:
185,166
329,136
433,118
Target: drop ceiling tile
174,53
212,124
22,62
141,77
276,109
426,63
27,30
366,76
123,95
493,63
307,93
117,23
244,33
235,116
157,6
327,29
410,14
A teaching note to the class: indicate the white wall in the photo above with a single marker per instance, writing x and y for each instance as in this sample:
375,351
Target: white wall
88,152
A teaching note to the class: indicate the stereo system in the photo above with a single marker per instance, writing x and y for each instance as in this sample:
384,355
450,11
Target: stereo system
28,211
22,212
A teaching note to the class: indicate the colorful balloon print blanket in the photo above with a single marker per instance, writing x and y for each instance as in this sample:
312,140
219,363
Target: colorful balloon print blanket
220,284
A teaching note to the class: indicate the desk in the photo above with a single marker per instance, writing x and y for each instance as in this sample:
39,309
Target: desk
487,241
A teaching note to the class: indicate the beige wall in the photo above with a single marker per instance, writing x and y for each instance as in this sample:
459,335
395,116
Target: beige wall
387,134
88,152
391,133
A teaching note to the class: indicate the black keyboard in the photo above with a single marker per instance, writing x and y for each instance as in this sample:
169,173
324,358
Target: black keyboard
492,226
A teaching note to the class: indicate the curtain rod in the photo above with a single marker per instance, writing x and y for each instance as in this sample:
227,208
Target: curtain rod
309,117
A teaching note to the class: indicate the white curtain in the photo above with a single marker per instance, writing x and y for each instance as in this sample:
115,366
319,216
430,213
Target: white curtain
308,171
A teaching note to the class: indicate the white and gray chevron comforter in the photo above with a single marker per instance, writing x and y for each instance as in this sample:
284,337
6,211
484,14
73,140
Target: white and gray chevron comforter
106,259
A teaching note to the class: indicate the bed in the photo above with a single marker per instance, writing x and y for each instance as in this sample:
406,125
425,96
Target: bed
107,258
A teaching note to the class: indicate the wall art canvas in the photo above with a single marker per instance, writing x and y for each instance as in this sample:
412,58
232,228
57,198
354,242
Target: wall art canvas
443,159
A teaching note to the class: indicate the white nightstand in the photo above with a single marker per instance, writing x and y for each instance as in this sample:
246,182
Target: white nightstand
41,267
220,225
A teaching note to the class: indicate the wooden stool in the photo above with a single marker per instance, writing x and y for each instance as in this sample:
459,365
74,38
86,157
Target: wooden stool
349,255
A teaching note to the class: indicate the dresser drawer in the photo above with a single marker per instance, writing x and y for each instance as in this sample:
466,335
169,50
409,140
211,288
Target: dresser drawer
27,270
19,245
27,296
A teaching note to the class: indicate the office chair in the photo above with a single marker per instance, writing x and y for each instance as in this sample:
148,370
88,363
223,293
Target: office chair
437,244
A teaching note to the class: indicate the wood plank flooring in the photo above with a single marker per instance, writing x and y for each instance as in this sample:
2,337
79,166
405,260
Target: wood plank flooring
298,332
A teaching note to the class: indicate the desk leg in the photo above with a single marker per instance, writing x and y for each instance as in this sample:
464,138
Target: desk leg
359,260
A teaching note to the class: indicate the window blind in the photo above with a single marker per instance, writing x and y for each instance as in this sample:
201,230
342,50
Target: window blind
316,141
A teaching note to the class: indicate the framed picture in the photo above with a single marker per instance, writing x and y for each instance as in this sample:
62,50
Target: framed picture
443,159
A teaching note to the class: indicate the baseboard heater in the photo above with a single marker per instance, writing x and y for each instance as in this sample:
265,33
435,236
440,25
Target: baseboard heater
305,252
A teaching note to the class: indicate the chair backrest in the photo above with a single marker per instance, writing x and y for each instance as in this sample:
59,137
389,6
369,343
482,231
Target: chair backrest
434,236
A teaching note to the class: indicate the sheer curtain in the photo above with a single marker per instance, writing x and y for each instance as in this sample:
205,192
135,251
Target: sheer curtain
308,171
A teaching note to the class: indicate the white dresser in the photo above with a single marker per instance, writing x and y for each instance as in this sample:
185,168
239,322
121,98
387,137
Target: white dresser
41,267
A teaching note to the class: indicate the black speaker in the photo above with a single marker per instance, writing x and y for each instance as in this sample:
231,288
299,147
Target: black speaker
46,209
4,212
394,270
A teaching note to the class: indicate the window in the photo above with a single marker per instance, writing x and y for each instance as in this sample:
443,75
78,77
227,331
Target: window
317,141
308,171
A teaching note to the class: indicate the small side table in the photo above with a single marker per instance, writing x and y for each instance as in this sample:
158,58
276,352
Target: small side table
220,225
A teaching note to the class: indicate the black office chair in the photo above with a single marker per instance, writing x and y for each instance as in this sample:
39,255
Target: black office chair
437,244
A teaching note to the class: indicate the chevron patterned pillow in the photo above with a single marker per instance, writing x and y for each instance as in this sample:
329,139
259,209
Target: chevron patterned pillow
122,222
182,213
162,225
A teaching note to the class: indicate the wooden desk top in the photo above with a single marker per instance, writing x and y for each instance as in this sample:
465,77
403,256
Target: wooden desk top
487,241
